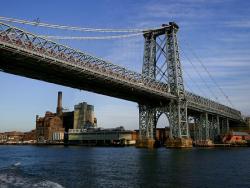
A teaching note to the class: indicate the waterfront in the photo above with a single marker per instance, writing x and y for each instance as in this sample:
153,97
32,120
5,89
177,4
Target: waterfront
59,166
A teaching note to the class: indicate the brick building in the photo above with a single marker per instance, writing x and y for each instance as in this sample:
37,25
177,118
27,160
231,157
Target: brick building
49,129
29,137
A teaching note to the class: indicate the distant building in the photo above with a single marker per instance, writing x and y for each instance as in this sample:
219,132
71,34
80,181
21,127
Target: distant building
113,136
29,137
98,136
84,116
161,135
68,120
53,127
14,137
3,138
236,138
49,129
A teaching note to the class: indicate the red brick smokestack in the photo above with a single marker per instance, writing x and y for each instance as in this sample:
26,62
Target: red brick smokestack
59,104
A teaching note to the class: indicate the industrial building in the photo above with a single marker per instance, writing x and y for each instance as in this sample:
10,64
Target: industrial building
80,127
53,127
112,137
99,136
49,129
84,116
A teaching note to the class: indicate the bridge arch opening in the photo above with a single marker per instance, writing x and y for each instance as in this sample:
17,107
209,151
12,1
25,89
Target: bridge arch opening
162,129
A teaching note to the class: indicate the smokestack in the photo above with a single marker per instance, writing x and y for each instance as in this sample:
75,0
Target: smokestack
59,104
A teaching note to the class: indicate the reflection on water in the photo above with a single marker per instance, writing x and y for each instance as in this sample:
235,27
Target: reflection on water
58,166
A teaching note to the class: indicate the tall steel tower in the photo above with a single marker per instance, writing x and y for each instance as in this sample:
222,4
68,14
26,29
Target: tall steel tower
162,62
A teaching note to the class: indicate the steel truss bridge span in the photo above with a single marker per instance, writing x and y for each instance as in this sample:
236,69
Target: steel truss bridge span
26,54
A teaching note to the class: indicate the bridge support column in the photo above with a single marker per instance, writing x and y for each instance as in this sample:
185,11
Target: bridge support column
218,124
147,124
213,128
161,61
205,130
196,128
179,133
224,126
227,128
207,127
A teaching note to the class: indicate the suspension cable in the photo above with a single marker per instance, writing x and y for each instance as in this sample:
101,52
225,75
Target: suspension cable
189,88
90,38
199,74
72,28
194,81
209,74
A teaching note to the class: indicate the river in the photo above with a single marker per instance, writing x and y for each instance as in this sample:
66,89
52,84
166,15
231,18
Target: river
59,166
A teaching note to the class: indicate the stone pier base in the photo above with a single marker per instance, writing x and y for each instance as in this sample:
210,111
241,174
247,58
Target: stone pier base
179,143
145,143
204,143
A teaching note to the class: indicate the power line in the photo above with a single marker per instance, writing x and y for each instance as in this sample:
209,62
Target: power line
209,74
72,28
194,67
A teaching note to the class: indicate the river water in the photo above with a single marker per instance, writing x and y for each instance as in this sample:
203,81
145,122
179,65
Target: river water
59,166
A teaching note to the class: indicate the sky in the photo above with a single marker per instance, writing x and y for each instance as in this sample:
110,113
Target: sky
215,33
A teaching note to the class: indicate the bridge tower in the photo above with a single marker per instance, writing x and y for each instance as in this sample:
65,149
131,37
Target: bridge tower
162,62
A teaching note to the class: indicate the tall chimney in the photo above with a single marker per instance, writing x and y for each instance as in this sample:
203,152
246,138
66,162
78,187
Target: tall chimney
59,104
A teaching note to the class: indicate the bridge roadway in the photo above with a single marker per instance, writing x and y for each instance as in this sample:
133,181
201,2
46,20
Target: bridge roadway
25,54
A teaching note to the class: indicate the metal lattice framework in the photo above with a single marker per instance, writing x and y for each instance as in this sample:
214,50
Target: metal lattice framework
161,61
46,49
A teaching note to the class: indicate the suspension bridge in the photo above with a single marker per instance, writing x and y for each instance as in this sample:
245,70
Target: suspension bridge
158,89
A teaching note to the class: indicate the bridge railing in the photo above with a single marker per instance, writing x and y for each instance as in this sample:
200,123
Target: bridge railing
45,47
199,102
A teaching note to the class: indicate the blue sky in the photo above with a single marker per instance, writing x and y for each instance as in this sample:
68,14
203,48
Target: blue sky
217,31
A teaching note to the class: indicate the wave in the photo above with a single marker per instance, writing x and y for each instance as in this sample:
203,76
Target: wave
15,177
